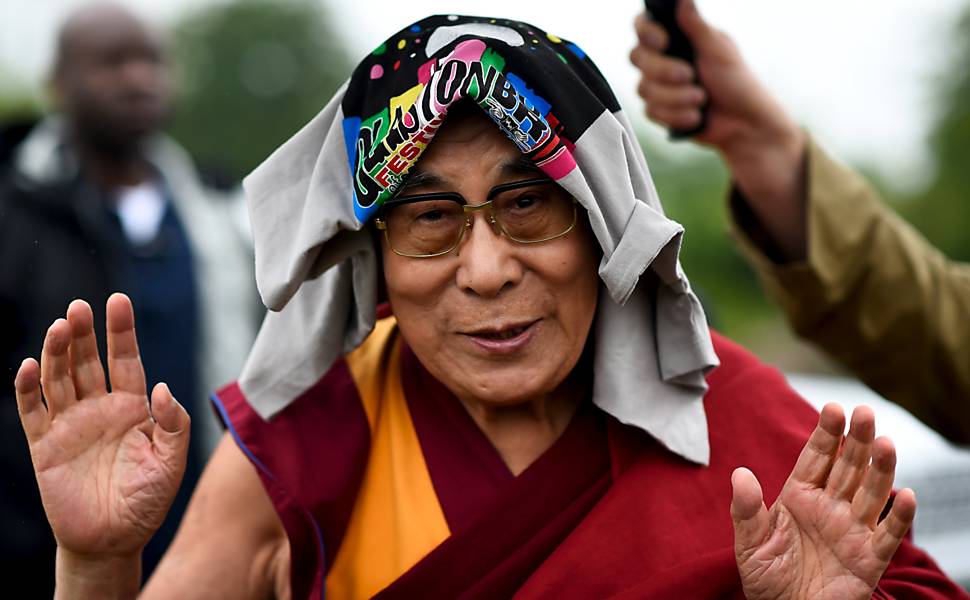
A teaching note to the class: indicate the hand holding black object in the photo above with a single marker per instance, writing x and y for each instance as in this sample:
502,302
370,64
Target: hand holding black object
664,13
763,147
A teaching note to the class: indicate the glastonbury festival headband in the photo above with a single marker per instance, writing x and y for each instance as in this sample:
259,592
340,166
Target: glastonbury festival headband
405,87
311,201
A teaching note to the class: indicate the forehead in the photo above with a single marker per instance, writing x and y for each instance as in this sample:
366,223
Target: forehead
109,31
469,145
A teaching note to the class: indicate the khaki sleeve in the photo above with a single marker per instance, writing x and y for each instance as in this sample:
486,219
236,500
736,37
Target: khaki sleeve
874,294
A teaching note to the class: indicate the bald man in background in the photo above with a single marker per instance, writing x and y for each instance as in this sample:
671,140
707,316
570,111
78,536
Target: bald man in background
94,199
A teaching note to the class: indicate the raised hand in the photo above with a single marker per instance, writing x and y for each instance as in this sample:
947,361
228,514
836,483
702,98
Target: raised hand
108,464
821,538
762,146
738,106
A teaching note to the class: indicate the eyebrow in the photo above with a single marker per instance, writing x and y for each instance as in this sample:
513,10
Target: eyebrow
418,178
522,165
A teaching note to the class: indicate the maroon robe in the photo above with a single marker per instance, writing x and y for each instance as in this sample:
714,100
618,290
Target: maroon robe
606,512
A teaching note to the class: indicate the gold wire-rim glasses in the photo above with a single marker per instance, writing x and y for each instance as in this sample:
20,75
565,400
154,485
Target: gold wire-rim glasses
381,223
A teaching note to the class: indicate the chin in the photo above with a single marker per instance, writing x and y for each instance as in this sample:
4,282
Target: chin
503,389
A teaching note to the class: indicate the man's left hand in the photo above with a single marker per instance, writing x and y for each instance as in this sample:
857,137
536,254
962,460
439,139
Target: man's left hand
822,538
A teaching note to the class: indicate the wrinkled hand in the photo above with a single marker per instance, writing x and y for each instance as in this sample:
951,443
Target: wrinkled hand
740,111
108,465
821,538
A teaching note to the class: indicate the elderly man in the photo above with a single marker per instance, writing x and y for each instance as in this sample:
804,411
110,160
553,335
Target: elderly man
535,410
95,199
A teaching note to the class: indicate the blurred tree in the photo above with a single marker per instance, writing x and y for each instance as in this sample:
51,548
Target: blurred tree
252,72
942,212
16,100
19,110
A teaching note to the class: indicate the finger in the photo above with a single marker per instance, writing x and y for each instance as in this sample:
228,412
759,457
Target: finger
124,361
890,533
853,461
672,98
85,362
675,119
33,415
55,374
816,459
871,498
748,512
661,69
650,33
697,30
170,435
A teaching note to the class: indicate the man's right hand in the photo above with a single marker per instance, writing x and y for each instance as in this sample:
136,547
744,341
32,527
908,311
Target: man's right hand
108,464
740,110
762,146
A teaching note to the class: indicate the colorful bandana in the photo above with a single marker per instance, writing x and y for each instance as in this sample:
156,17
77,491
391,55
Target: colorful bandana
402,92
316,266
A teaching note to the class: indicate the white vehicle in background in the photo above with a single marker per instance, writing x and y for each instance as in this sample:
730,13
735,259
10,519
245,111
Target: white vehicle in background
938,471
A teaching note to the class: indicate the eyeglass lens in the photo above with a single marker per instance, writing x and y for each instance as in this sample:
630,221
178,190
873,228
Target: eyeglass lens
527,214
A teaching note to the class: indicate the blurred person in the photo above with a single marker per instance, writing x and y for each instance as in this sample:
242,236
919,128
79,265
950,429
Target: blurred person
93,199
537,409
849,274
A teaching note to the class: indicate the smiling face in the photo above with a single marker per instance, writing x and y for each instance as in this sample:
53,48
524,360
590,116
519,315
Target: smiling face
497,322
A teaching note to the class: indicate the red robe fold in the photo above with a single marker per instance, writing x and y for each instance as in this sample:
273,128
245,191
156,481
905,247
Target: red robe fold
606,512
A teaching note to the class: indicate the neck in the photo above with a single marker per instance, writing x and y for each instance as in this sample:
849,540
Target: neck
521,433
111,167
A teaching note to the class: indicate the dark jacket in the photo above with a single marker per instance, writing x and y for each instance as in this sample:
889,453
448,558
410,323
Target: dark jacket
54,247
60,239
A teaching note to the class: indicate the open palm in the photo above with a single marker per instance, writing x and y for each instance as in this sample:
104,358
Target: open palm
108,465
822,538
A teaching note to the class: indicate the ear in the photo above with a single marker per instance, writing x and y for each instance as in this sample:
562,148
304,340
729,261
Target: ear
382,297
55,91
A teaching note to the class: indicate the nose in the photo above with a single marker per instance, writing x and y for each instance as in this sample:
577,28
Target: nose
141,75
488,263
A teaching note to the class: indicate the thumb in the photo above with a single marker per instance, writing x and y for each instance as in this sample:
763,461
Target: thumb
171,433
748,512
698,31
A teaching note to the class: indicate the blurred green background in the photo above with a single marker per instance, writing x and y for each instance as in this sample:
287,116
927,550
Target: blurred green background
252,72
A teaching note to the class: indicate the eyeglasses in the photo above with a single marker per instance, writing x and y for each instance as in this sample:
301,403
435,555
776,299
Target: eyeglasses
427,225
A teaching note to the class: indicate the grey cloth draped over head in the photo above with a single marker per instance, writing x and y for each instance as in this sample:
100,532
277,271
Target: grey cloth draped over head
310,202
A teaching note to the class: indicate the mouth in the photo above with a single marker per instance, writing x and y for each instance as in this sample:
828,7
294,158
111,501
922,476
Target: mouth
504,333
503,339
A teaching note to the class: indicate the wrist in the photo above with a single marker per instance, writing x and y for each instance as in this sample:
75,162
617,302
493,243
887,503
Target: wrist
770,172
778,146
97,576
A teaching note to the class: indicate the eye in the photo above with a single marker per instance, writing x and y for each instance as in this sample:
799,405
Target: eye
526,201
426,213
430,216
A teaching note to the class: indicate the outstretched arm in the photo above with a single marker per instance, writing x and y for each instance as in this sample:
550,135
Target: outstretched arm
850,275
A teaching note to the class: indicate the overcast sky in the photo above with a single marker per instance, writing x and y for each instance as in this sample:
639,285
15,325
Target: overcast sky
857,73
